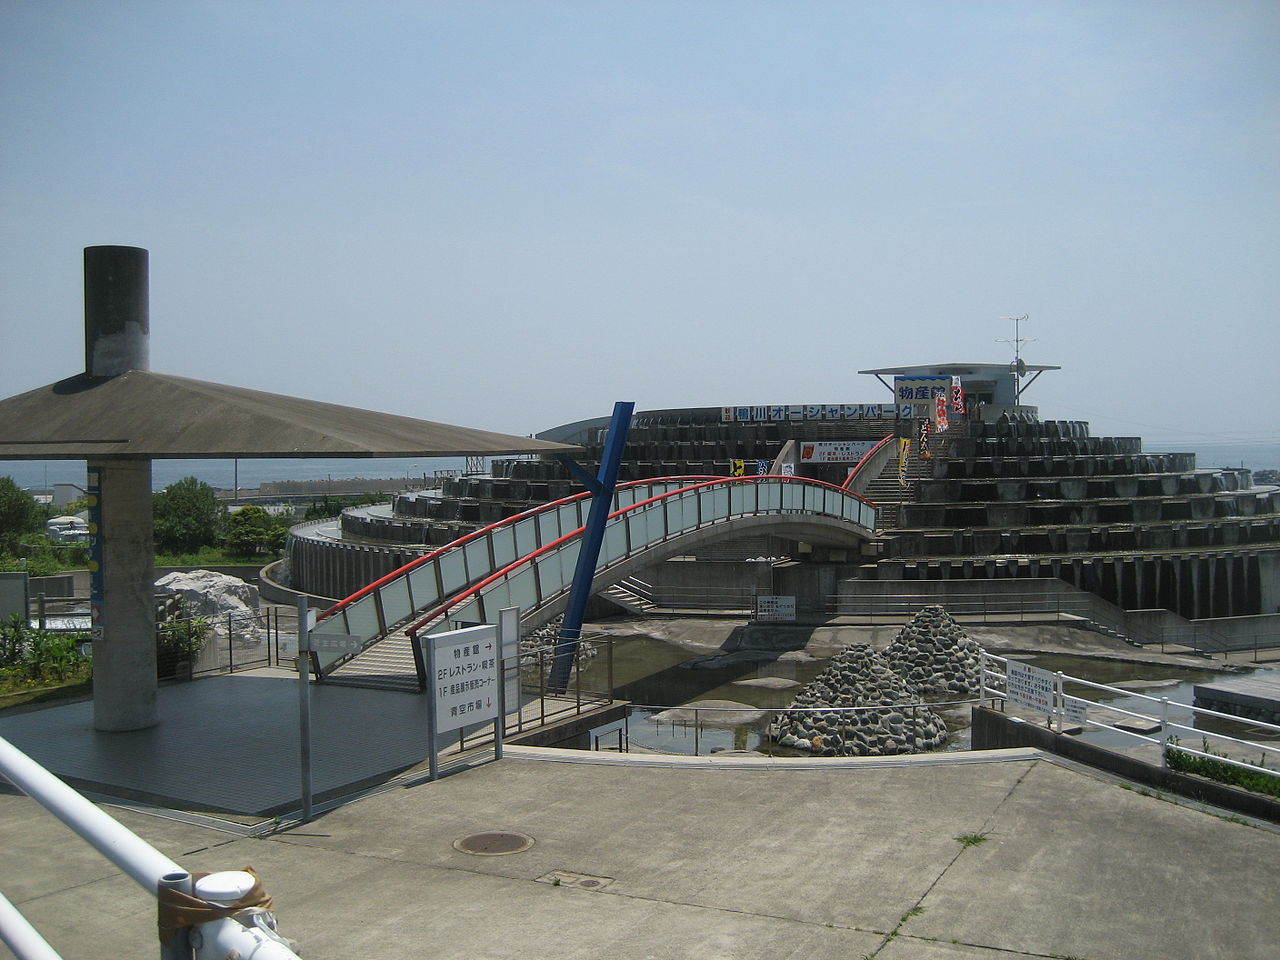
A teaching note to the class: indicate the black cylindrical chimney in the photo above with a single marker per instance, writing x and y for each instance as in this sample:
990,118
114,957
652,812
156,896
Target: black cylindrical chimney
117,317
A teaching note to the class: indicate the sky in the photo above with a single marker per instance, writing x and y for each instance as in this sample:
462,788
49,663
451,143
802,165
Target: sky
509,215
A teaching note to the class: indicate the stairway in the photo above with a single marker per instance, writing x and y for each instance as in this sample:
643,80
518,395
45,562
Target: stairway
623,595
887,494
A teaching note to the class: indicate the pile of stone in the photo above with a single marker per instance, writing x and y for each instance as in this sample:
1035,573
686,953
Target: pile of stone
934,655
538,645
859,677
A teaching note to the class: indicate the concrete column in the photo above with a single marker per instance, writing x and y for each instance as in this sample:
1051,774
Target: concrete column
124,658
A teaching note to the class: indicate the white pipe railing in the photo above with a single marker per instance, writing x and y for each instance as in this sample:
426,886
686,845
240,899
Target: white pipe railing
1162,718
143,863
17,933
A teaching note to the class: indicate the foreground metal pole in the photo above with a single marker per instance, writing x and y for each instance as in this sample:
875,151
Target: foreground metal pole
141,861
17,933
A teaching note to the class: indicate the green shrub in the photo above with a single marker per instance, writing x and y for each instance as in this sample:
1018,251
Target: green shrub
1259,781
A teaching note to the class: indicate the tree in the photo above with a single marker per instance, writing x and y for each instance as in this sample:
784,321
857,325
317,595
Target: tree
187,516
19,513
252,531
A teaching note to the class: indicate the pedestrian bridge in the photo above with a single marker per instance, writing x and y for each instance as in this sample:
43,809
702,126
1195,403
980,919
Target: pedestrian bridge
528,560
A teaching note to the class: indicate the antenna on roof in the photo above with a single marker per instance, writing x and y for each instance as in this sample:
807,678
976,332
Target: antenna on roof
1019,366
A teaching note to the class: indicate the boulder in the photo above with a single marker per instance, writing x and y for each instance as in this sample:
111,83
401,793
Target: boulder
206,593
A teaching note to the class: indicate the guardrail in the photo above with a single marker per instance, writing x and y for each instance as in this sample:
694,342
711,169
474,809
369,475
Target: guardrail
233,926
995,687
529,559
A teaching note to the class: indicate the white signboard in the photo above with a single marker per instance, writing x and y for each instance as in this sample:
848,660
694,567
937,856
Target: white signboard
464,676
776,608
835,451
1030,686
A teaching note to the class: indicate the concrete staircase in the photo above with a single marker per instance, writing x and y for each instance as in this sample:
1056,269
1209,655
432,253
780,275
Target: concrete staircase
887,494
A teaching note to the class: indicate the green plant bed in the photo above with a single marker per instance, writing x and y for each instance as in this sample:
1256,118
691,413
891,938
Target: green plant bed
15,693
1260,780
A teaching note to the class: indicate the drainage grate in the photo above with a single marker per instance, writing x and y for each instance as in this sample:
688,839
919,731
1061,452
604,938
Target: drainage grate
493,844
563,878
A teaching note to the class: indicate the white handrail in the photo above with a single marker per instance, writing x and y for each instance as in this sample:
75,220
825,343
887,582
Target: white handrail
143,863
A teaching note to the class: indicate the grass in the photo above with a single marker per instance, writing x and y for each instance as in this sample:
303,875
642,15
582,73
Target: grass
973,839
1259,780
15,692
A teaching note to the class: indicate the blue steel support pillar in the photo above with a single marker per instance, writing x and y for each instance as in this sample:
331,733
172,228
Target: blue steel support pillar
601,488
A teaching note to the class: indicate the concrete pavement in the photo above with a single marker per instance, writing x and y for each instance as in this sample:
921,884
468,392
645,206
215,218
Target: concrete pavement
721,857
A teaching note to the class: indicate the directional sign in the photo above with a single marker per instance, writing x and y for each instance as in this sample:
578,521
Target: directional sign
464,676
334,643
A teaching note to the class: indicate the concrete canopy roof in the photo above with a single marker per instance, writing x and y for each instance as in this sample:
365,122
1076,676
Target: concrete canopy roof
143,414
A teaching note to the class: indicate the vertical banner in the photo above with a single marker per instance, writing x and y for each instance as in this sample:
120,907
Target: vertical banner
957,396
925,453
940,412
904,454
93,496
737,468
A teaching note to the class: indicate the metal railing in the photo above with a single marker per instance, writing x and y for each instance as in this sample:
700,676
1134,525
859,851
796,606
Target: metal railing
994,687
224,935
529,559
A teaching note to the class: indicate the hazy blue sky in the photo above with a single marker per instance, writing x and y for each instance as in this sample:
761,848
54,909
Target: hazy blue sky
509,215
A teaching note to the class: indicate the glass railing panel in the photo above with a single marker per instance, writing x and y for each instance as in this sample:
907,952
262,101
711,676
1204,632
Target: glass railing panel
467,615
569,520
719,502
738,499
615,543
552,574
337,626
655,525
453,572
422,581
548,526
362,619
521,592
526,537
504,547
478,563
395,601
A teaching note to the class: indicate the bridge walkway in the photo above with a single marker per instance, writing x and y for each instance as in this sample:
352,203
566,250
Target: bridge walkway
528,561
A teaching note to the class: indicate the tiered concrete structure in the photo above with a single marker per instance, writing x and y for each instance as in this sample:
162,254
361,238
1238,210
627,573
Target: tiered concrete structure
1004,496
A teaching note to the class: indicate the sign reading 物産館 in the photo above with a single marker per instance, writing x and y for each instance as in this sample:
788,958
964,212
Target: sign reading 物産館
464,676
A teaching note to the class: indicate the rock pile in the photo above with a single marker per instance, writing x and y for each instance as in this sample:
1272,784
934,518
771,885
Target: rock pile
206,593
933,654
859,677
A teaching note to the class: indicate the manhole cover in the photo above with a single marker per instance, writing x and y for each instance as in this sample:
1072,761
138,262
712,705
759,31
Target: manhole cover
493,844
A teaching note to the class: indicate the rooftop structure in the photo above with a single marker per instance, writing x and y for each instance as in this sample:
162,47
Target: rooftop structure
118,415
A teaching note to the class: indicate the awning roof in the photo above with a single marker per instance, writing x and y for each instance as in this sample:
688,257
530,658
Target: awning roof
155,415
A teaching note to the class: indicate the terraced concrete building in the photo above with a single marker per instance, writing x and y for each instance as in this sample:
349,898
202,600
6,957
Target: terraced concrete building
1001,502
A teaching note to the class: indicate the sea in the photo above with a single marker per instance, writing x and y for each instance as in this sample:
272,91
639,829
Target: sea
250,473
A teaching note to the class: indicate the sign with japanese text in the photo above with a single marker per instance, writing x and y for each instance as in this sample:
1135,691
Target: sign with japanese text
776,412
835,451
776,608
464,676
1030,686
